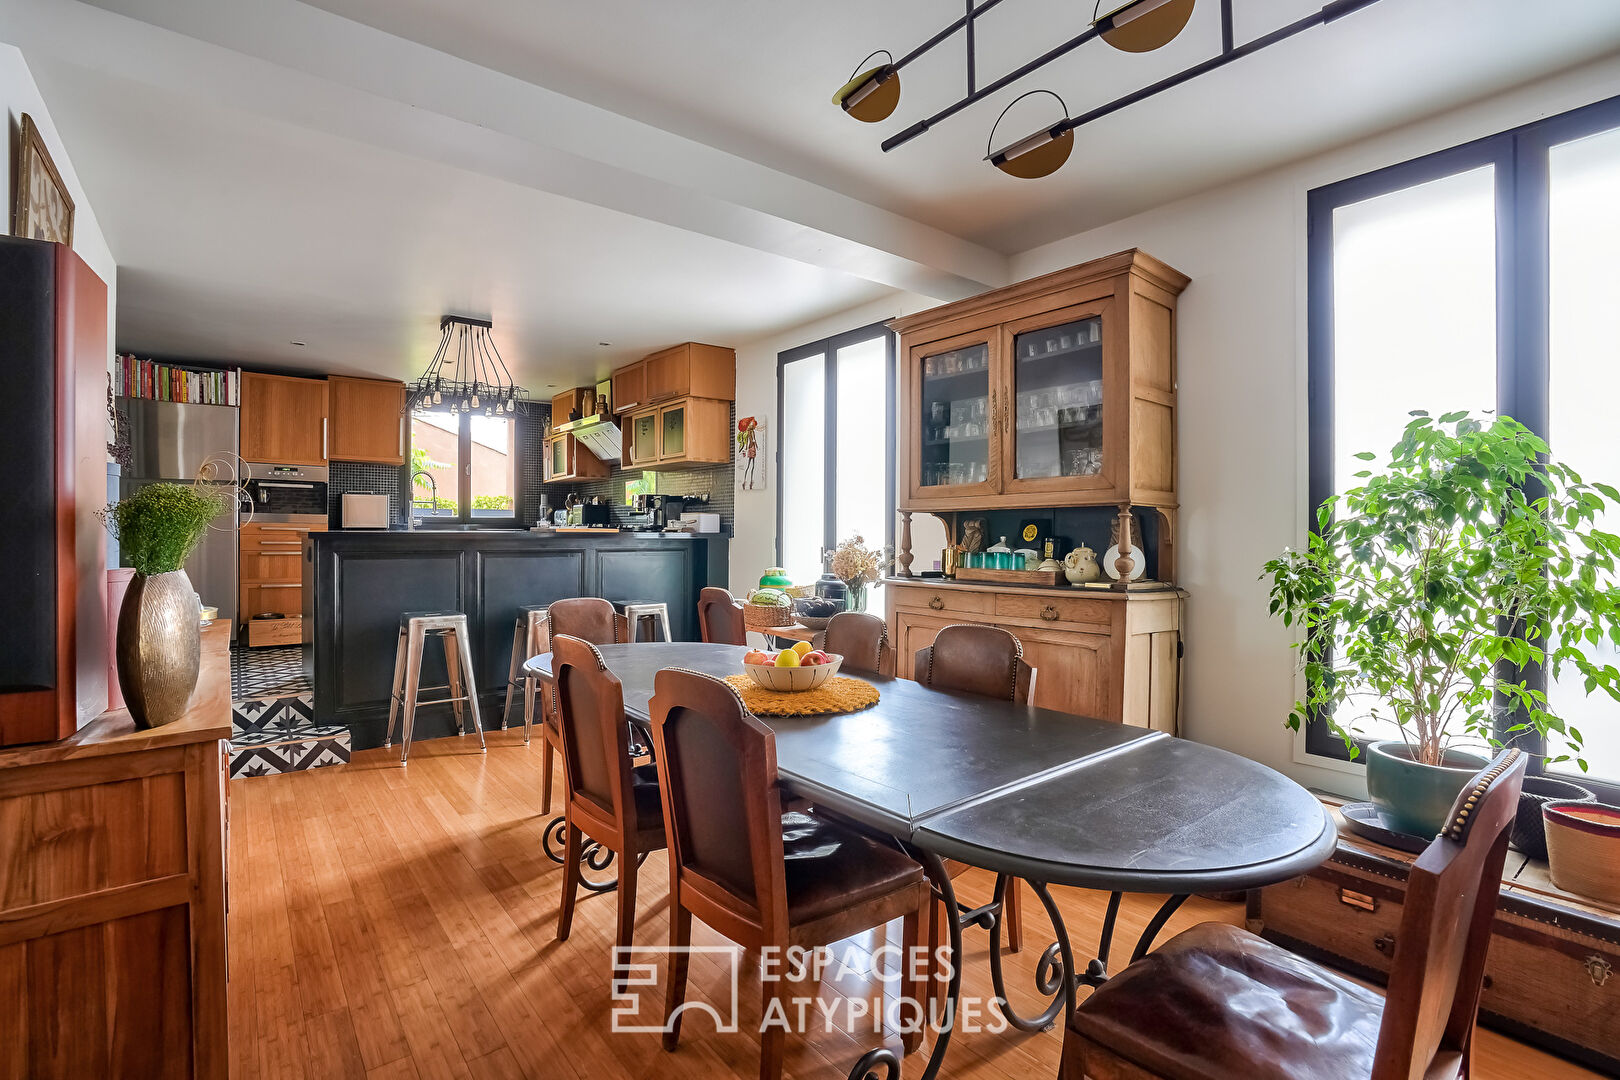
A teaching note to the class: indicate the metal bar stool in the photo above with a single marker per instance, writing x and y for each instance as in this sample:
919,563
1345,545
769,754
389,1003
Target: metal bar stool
528,639
634,612
450,627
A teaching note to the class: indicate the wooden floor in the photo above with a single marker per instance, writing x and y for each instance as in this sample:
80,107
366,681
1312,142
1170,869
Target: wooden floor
398,923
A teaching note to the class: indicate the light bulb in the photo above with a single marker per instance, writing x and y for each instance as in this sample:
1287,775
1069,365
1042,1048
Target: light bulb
475,401
511,405
438,398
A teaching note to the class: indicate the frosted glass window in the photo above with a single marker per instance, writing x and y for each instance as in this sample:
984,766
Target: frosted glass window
1414,323
1584,178
802,467
863,405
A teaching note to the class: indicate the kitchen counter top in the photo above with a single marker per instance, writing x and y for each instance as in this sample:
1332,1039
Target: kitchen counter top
442,531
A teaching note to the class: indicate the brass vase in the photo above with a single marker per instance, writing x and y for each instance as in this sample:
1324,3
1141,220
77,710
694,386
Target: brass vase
159,647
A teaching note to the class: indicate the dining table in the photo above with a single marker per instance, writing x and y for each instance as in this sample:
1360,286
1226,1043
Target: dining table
1025,793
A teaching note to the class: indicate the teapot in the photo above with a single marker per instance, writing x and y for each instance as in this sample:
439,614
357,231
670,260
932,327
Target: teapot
1080,566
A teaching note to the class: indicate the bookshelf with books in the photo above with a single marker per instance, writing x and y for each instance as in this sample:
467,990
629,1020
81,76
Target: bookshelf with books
137,378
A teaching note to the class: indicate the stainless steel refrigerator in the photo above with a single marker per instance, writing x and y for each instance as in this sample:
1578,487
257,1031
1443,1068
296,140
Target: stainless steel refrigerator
171,441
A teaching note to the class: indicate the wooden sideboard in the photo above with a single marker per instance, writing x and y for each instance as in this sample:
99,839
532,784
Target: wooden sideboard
112,894
1111,655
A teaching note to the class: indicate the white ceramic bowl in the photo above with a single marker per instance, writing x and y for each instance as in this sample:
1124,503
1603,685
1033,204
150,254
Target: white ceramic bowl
791,680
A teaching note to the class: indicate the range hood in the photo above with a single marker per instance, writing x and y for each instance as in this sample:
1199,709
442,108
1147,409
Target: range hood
598,435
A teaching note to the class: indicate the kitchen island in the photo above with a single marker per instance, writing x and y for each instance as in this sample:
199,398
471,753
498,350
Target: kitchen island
357,583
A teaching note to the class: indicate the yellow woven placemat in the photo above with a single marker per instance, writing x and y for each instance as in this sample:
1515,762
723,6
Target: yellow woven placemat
839,694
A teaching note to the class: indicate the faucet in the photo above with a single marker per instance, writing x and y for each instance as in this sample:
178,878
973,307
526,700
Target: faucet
432,506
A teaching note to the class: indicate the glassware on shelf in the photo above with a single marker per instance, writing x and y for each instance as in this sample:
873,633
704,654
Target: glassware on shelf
1057,401
955,438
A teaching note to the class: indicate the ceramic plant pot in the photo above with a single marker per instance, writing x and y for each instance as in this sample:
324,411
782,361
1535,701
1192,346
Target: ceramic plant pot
1583,848
1529,830
159,647
1415,798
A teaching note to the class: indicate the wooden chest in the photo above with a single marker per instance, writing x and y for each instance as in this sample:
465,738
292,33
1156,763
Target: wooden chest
1552,977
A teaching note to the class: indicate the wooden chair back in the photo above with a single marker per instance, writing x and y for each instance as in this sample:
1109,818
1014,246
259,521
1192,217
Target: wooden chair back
1451,895
722,809
975,659
588,618
595,742
720,619
862,639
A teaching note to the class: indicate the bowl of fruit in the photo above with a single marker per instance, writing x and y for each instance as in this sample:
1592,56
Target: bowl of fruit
791,670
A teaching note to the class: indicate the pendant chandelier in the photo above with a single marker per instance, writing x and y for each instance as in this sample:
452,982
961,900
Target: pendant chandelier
467,374
1133,26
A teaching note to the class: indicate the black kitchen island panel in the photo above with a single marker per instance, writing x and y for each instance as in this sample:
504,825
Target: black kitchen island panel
357,584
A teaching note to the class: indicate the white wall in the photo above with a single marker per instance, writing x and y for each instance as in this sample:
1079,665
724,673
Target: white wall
1242,368
754,546
19,95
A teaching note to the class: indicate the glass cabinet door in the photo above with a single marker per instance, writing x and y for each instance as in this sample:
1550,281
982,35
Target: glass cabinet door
1058,401
644,438
559,456
673,422
957,424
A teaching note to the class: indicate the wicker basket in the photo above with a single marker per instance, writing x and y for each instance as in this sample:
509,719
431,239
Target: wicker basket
761,617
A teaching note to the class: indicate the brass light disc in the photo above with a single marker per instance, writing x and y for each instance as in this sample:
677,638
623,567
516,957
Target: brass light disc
1042,161
1151,31
876,106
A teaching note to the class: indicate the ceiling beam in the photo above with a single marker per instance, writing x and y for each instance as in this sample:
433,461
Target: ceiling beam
301,65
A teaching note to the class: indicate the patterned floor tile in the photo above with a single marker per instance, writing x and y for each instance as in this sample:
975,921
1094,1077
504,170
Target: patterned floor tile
308,746
261,673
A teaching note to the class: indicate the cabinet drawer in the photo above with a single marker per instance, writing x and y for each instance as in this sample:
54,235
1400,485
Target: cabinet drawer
1055,609
255,533
271,564
945,601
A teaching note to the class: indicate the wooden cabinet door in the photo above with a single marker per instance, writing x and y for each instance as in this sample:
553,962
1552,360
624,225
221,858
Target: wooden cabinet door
672,432
913,633
641,438
630,387
1066,379
1074,671
283,419
669,374
367,420
954,407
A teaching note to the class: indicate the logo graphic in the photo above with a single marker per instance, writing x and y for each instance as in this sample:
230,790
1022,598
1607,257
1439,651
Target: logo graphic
630,1016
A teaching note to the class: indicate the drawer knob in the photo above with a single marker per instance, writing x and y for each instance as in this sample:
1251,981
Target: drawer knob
1049,613
1385,943
936,603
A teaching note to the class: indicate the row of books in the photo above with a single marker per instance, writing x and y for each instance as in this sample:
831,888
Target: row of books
148,379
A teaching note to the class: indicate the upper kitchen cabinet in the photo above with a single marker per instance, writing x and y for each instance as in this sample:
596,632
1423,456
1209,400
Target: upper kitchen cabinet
1058,391
283,419
368,420
688,431
687,370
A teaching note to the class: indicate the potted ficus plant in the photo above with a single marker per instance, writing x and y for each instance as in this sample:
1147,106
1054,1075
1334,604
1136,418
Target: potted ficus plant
1423,594
158,642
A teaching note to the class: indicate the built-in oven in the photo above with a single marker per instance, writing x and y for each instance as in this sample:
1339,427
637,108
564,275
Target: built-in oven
285,493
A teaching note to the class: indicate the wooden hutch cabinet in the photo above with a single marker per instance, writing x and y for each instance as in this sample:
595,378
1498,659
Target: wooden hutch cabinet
1057,392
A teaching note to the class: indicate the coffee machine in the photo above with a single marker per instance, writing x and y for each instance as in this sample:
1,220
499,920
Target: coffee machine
661,510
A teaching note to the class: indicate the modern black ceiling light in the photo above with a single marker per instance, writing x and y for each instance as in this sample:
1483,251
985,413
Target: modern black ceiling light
467,372
1130,25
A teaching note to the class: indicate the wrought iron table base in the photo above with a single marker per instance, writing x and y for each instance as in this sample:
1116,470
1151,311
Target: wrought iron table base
592,856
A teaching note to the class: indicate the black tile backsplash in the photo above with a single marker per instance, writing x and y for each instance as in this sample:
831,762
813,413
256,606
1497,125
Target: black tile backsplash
362,476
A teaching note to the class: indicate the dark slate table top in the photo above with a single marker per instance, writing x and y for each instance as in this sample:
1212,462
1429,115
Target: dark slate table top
1041,794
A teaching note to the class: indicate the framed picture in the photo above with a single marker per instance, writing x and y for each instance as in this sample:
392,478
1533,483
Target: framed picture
44,209
750,457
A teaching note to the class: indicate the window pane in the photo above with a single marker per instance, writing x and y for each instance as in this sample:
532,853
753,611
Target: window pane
1414,316
494,480
433,451
863,445
802,467
1585,382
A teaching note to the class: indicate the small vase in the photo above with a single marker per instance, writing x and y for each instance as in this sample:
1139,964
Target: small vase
159,647
855,600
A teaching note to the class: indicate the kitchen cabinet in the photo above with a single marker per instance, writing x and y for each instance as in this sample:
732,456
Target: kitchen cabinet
1058,391
630,387
284,419
690,431
367,420
568,459
687,370
1113,656
271,573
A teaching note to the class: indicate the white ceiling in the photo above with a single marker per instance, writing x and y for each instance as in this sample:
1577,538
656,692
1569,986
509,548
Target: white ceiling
643,173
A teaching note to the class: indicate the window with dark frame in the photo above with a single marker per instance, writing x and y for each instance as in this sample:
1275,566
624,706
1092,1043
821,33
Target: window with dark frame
464,468
835,447
1485,271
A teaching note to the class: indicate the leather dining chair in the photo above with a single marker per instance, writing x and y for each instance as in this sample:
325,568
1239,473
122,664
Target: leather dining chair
604,798
720,618
588,618
988,661
862,639
757,875
1218,1003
